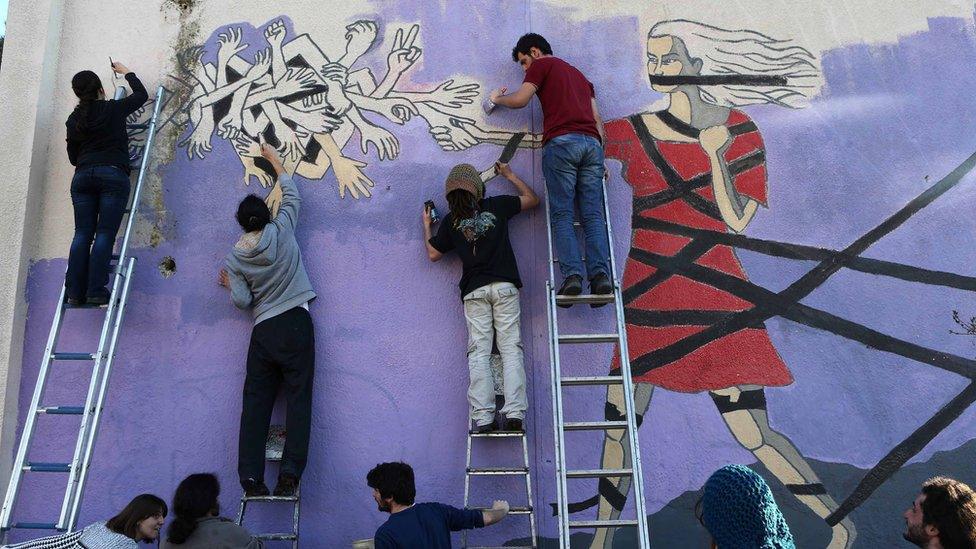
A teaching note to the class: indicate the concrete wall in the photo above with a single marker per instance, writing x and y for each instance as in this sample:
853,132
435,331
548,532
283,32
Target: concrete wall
869,351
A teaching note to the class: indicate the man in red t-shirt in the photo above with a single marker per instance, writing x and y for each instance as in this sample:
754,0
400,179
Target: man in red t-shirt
572,159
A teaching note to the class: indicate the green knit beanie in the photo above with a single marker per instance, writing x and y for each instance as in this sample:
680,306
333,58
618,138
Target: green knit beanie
466,177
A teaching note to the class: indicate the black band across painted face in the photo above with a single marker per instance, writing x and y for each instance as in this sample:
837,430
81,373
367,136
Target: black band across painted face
718,80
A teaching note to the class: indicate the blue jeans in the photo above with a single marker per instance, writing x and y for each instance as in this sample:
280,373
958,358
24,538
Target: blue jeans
99,195
573,167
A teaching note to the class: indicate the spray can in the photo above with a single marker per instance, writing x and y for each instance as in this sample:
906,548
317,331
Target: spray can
487,105
432,211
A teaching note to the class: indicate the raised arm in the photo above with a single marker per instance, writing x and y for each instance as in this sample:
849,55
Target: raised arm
527,197
139,94
737,216
290,201
516,100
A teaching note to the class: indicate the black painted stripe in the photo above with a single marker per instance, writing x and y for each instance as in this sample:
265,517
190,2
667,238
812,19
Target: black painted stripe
813,489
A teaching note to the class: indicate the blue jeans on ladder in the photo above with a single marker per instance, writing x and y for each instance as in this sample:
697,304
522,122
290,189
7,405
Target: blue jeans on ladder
573,167
99,195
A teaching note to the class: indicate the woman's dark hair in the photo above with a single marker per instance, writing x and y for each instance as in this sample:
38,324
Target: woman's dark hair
950,506
462,205
88,87
195,498
529,41
394,479
253,214
139,509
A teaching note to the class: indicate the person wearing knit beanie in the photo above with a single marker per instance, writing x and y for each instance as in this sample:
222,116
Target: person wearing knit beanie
739,511
477,229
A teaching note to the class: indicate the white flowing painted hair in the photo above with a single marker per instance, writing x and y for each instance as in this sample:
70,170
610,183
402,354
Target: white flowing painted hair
743,51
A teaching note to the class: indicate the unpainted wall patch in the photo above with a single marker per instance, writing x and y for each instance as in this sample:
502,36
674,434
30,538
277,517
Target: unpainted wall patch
167,267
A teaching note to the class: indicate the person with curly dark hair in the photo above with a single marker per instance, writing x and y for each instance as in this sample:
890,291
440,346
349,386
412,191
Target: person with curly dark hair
943,516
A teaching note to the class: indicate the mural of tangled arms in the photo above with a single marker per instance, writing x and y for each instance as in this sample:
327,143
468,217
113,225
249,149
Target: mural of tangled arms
309,104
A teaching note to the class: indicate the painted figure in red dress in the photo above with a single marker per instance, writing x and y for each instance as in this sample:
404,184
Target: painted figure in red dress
700,164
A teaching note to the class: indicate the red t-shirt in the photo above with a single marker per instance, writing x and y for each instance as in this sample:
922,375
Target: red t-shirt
565,95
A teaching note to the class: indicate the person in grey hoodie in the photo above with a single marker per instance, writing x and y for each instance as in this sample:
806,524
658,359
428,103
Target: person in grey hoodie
140,521
265,274
198,524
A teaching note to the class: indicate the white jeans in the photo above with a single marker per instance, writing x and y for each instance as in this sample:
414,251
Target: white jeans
492,312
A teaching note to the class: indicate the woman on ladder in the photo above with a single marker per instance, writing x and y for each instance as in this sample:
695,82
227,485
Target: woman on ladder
98,147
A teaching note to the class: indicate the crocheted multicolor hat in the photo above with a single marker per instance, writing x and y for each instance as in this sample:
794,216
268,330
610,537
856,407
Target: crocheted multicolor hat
466,177
739,511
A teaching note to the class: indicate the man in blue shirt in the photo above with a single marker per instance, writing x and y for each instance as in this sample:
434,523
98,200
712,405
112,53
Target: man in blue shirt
421,525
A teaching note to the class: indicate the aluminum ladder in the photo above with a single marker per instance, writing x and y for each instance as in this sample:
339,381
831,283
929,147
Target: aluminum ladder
523,471
273,451
558,382
101,359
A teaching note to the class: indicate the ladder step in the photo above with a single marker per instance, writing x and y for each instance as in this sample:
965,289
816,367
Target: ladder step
273,499
62,410
598,473
498,434
36,526
594,425
588,338
592,380
601,523
73,356
85,306
276,537
501,547
46,467
498,470
584,298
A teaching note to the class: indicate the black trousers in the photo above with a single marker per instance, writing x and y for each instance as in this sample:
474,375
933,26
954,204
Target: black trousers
282,350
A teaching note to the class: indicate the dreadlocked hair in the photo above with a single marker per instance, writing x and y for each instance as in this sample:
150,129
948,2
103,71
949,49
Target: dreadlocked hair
462,205
88,87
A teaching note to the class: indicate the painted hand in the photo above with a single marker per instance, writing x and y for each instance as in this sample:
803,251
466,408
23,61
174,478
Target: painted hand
261,66
404,54
229,44
359,38
275,33
351,177
252,170
387,146
456,96
453,138
335,78
396,109
319,118
292,144
714,138
230,126
198,142
245,146
294,81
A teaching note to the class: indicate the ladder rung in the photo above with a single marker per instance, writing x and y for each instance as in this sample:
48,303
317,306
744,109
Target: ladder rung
594,425
498,470
36,526
498,434
501,547
273,499
73,356
276,537
592,380
598,473
584,298
46,467
62,410
511,510
588,338
85,306
601,523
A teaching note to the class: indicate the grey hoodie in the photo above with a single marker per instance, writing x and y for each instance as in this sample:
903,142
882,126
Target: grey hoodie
269,277
217,533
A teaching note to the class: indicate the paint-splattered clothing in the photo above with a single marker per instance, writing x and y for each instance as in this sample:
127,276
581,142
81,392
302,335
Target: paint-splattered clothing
672,190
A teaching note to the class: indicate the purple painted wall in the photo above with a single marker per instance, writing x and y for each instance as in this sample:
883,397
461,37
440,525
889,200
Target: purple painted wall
391,376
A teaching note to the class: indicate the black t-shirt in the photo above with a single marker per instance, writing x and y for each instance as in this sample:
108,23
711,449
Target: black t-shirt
482,243
104,139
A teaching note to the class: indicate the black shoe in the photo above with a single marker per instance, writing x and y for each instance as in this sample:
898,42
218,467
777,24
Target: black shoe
483,429
600,285
99,299
287,485
573,285
514,424
75,301
254,488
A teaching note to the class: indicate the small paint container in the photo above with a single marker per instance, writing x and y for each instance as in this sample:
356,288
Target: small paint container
432,211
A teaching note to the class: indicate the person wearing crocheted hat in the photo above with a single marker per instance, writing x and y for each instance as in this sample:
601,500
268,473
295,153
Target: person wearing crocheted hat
477,228
739,512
